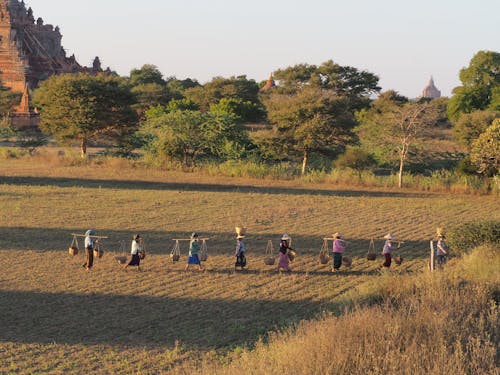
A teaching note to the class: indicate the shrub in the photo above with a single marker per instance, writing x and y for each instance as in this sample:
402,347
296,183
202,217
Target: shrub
464,237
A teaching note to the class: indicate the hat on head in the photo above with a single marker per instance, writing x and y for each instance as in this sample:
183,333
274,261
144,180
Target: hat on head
337,235
136,237
240,236
194,235
388,236
90,232
286,237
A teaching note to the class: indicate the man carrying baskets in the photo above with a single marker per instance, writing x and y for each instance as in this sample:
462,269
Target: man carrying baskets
241,260
135,250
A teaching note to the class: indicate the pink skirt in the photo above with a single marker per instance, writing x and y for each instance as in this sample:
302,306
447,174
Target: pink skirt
283,261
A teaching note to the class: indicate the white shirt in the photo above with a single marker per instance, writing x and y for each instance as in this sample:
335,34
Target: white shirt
136,247
89,242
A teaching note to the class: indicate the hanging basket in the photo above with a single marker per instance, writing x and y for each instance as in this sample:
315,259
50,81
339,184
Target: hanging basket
240,231
270,258
175,254
73,248
371,255
203,252
324,258
142,254
122,259
347,261
98,253
292,255
398,260
175,257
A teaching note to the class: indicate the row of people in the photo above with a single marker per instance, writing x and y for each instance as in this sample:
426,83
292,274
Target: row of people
339,247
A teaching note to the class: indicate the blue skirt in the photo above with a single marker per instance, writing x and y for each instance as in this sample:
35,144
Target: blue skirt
193,259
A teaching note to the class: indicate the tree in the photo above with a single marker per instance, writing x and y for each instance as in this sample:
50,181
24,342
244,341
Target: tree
485,151
8,99
313,120
480,85
84,107
396,125
471,125
148,73
355,158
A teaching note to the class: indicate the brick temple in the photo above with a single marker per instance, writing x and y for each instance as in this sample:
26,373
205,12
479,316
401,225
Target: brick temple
30,52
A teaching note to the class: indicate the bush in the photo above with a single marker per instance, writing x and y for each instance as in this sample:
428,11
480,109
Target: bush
464,237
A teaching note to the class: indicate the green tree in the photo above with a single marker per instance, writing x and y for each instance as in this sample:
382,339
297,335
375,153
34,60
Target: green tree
396,126
8,99
82,107
148,73
313,120
485,151
471,125
480,85
356,158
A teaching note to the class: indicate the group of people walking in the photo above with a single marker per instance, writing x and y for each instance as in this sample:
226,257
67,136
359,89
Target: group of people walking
286,253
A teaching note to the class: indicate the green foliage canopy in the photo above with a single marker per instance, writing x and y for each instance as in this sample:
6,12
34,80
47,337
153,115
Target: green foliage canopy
83,107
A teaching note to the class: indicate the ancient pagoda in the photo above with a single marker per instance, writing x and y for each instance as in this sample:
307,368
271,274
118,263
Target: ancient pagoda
430,91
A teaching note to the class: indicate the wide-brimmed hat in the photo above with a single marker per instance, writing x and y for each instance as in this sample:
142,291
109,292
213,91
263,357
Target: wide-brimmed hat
240,236
194,235
90,232
338,235
286,237
388,236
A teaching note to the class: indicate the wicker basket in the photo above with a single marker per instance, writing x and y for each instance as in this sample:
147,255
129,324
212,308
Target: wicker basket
203,257
371,256
269,261
73,250
324,258
291,255
175,257
98,253
347,261
240,231
398,260
142,254
121,259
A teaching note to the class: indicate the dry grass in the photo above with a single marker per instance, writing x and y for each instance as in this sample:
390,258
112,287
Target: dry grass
61,319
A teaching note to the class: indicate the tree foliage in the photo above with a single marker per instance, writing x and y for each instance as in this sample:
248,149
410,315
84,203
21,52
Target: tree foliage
480,86
471,125
82,107
396,126
485,151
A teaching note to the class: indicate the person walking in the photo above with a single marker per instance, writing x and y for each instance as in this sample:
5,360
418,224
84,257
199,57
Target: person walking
338,250
136,248
441,251
194,248
90,244
284,260
241,260
387,250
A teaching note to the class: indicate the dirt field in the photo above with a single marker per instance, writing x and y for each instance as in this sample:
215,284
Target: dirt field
58,318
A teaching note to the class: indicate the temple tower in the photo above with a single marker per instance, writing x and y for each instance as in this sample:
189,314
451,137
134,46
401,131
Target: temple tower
430,91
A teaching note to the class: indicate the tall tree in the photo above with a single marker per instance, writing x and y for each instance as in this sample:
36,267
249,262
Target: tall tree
148,73
485,152
396,125
83,107
313,120
480,86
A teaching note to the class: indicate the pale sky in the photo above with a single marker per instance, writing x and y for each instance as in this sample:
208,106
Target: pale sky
404,42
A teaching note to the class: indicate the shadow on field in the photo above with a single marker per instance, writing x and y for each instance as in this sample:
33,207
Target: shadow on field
30,317
177,186
160,242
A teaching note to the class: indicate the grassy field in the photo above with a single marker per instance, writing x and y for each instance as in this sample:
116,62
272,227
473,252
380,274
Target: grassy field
60,319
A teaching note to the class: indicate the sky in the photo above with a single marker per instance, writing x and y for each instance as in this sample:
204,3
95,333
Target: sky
403,42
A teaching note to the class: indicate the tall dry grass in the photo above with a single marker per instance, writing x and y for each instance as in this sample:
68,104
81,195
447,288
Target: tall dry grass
444,323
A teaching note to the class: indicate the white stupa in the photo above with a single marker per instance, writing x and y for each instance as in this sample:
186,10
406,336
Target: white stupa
431,91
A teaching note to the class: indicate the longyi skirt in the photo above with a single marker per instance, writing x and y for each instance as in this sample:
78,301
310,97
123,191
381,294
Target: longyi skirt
194,259
135,261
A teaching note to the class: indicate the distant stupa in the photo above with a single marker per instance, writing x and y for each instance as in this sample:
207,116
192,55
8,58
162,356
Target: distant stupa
430,91
269,83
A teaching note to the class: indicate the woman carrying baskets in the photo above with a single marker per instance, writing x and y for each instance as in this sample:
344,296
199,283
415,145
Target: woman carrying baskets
241,260
387,250
441,251
284,260
194,248
338,250
134,251
90,244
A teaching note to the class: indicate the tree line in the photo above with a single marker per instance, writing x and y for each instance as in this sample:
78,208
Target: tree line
315,114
